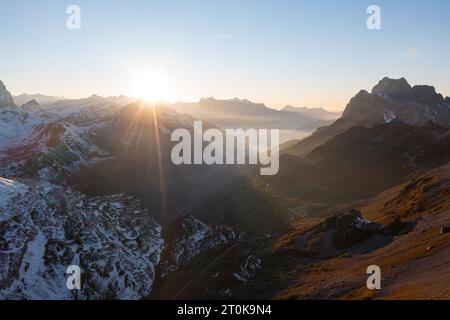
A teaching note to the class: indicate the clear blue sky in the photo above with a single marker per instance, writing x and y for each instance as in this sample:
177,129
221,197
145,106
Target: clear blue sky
315,53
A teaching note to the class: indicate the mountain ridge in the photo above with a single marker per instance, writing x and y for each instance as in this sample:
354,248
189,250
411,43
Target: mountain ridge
104,162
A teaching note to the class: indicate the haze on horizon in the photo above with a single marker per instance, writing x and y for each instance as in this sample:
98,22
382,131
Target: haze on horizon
301,53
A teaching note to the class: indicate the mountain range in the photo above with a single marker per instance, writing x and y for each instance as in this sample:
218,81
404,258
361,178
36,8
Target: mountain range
242,113
90,182
390,99
39,98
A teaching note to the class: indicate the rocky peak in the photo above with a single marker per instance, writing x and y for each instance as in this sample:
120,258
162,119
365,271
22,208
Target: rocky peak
344,220
6,99
365,106
395,88
423,90
395,98
447,100
425,94
30,104
400,89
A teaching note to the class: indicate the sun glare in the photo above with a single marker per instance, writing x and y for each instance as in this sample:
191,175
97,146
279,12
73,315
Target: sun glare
150,86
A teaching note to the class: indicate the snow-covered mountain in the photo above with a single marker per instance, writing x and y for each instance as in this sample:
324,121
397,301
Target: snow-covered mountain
319,113
47,225
45,228
243,113
55,138
6,99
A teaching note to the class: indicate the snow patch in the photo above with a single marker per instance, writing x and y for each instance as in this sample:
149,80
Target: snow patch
10,189
389,116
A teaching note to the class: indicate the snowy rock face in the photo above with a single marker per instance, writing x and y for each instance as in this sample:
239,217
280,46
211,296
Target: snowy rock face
53,141
19,125
52,151
10,189
6,100
13,125
45,228
192,237
248,269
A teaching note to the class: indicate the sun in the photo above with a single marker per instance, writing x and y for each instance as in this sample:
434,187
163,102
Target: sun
150,86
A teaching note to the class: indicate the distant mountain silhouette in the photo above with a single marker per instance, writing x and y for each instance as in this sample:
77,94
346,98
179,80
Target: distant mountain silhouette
39,98
246,114
313,112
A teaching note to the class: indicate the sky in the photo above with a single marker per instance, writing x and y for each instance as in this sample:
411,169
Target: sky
302,53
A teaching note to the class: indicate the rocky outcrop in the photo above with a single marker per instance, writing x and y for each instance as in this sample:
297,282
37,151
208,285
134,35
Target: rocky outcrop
396,99
6,100
447,101
188,238
366,107
394,88
425,95
30,104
